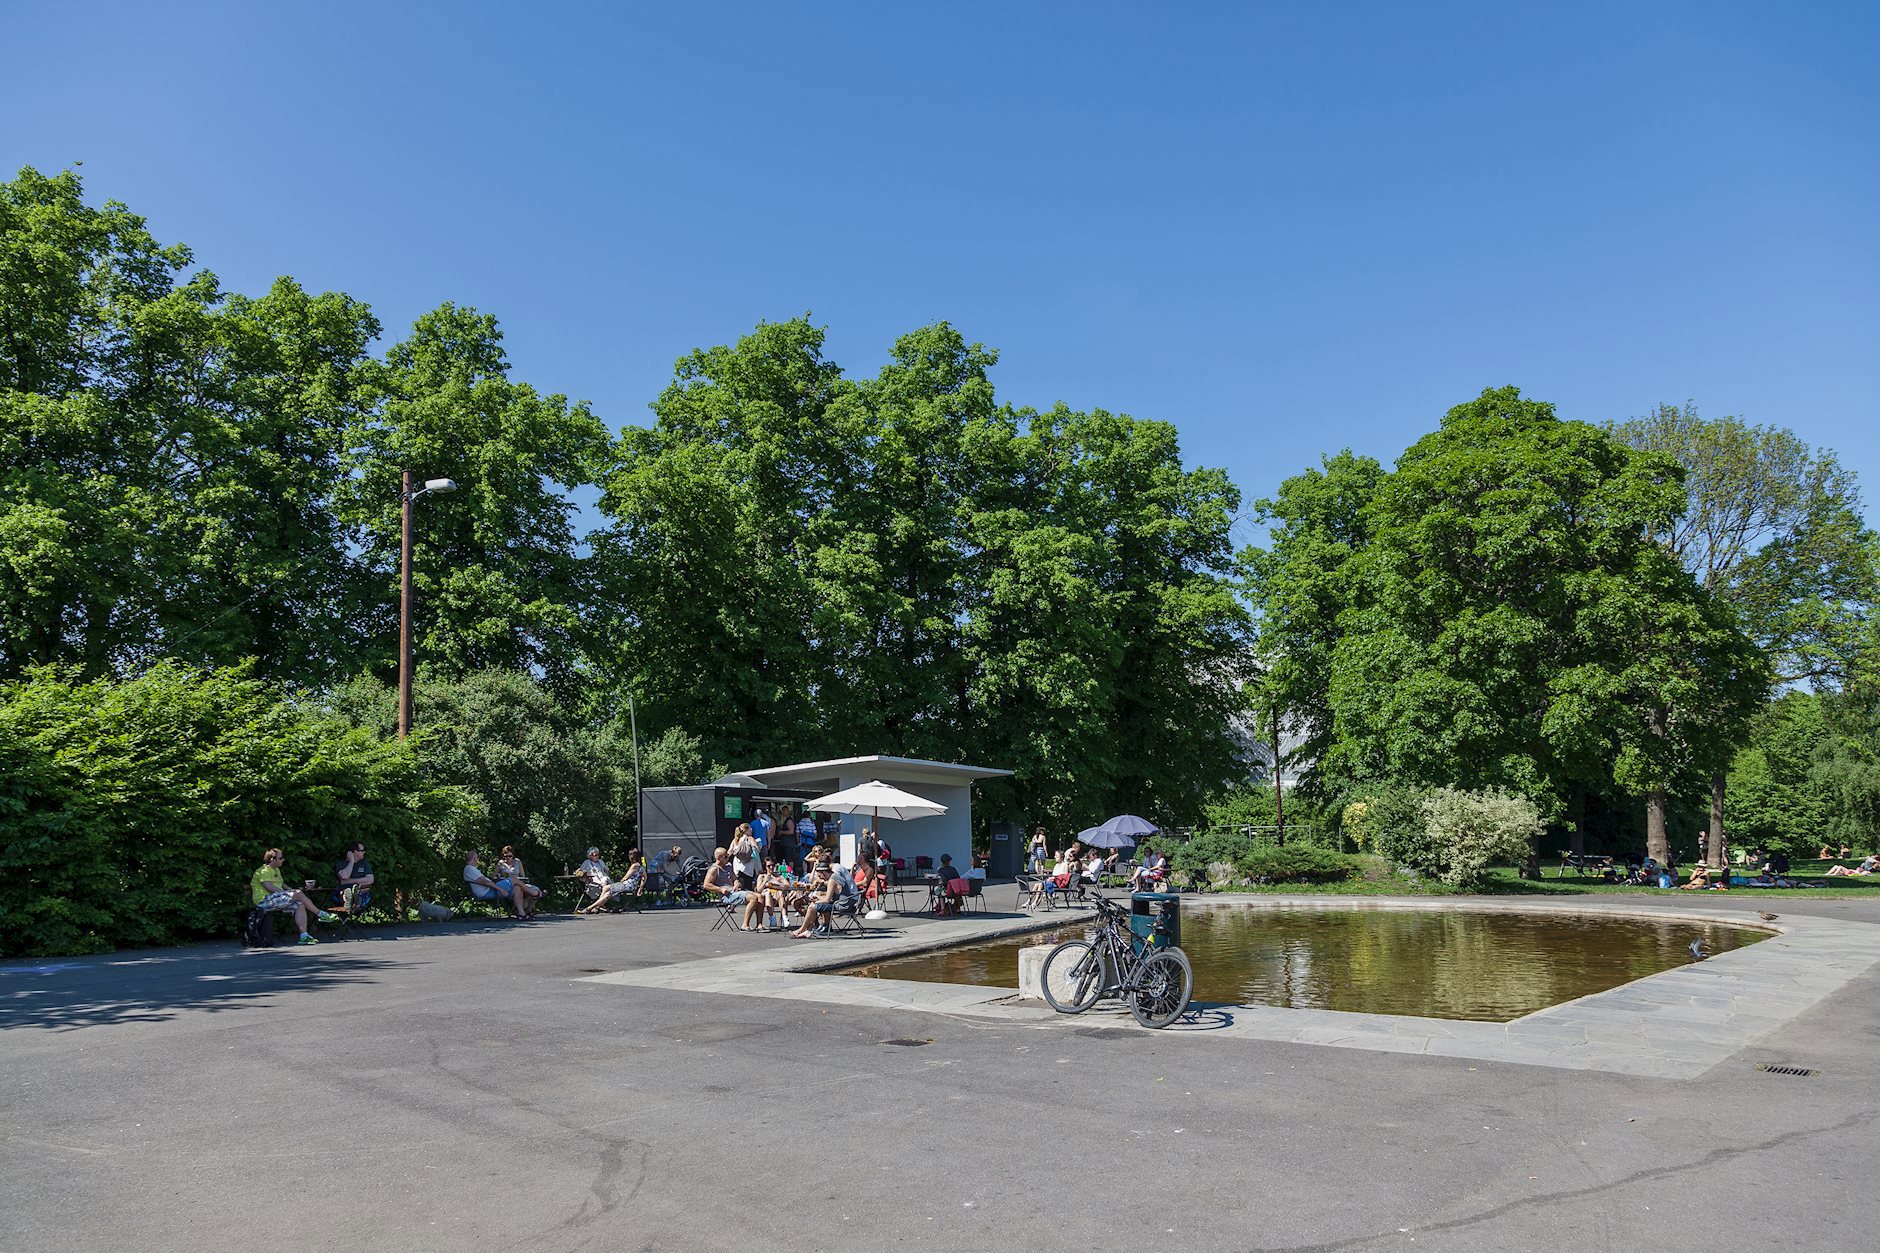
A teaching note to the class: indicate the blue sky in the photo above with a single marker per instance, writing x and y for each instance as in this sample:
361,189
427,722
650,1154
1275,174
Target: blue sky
1287,229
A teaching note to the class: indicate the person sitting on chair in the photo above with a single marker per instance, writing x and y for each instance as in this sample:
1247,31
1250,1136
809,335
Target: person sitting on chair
485,888
354,873
832,885
509,866
722,885
629,886
268,887
1150,874
594,870
867,879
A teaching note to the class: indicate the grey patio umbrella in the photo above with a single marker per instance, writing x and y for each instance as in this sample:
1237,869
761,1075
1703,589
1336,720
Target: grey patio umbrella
1119,832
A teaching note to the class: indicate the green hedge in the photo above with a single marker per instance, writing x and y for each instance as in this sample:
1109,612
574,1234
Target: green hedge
1260,862
134,812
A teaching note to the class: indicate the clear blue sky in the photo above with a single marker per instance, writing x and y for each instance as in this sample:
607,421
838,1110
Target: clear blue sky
1287,229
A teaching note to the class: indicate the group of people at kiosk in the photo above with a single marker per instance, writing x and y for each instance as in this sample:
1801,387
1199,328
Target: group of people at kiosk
769,890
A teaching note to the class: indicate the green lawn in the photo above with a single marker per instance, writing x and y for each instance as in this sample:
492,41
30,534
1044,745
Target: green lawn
1507,881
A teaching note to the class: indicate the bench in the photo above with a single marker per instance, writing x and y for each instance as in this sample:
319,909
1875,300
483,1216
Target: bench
1595,863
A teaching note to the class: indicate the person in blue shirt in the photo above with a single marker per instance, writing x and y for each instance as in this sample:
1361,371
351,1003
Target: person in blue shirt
760,830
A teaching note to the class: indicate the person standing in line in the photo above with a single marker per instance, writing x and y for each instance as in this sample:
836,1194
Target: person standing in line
745,854
760,831
785,845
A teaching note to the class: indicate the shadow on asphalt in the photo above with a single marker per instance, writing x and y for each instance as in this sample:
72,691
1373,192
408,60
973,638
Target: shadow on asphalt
65,996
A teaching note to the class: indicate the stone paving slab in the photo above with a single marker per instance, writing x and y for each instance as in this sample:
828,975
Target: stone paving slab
1673,1025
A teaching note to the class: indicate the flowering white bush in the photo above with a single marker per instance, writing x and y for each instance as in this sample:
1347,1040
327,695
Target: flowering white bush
1470,831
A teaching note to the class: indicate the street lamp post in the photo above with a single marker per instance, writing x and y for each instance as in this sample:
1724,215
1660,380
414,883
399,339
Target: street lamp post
432,487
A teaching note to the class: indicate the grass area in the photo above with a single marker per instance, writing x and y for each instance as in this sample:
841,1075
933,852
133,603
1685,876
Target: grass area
1507,881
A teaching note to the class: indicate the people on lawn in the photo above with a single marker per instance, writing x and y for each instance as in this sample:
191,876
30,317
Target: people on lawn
268,887
1868,866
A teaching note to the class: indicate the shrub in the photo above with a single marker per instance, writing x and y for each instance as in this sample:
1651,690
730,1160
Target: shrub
1217,856
1392,823
1297,863
134,812
1471,831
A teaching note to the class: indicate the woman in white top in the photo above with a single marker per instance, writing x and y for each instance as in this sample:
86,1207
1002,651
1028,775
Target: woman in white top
635,880
595,871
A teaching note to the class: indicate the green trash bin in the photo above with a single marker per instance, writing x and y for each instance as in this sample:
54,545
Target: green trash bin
1155,920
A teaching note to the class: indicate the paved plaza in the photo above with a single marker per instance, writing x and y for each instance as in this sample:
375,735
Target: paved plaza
641,1082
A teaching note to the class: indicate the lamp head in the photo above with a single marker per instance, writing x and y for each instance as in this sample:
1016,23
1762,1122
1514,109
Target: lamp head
440,487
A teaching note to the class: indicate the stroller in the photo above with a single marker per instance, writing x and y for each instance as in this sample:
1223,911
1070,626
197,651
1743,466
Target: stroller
688,888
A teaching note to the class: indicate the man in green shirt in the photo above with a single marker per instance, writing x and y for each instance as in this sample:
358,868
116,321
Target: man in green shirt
268,887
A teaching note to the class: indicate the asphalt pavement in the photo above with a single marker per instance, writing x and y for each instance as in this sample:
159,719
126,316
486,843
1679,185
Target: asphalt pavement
459,1086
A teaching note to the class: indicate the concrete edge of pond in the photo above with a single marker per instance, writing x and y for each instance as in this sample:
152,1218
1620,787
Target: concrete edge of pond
1677,1024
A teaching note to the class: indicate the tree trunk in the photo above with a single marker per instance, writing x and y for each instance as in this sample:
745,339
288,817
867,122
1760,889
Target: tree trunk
1576,819
1279,792
1719,855
1657,845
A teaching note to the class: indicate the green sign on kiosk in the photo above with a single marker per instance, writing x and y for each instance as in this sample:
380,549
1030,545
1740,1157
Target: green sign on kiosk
734,808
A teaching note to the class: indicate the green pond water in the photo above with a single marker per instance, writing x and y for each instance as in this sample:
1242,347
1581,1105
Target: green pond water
1490,967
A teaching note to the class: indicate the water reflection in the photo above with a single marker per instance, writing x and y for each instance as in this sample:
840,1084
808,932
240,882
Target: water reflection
1433,964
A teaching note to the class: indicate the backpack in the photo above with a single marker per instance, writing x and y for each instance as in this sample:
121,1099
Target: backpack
257,929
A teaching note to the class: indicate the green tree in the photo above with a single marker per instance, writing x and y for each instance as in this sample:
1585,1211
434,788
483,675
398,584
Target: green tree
535,776
179,779
498,579
1498,617
705,561
1773,528
1300,586
167,451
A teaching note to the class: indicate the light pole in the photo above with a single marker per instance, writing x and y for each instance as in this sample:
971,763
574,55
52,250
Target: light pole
432,487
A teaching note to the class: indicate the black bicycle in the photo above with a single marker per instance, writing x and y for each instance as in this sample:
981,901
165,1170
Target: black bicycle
1153,977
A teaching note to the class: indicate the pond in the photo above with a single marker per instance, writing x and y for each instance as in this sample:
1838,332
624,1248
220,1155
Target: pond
1481,965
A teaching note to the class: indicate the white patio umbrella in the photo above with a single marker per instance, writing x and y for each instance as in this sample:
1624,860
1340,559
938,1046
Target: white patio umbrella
877,798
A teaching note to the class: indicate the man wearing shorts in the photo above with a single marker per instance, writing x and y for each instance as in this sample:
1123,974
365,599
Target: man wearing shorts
486,889
268,887
721,884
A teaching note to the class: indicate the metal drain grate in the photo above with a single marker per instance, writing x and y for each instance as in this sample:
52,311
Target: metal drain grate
1801,1072
911,1044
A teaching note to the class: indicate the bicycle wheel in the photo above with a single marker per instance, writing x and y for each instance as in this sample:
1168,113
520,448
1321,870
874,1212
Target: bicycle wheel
1072,977
1162,986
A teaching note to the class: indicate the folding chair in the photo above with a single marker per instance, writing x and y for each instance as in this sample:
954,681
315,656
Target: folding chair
846,913
726,915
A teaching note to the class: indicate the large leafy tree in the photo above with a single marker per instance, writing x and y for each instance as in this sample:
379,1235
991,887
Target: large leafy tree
168,452
499,581
1108,641
799,563
1773,528
706,562
1499,616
